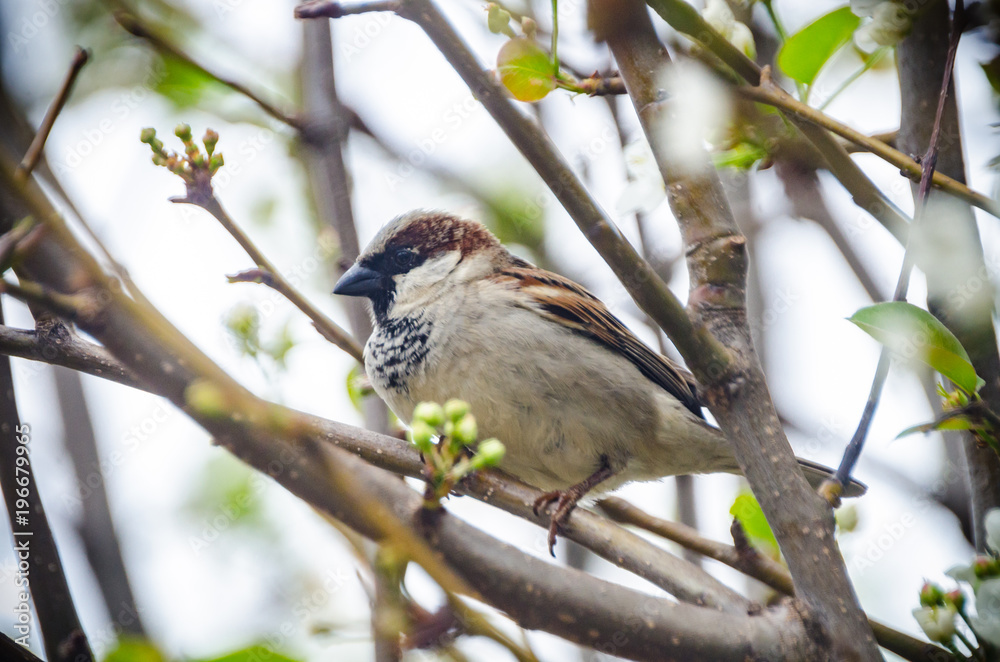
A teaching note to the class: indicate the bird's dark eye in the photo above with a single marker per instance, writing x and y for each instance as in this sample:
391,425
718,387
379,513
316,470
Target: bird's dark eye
404,258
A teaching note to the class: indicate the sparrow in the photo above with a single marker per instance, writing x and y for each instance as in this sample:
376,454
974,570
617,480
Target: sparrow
578,400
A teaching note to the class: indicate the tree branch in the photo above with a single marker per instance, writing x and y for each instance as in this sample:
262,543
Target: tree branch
762,569
34,152
737,392
34,545
271,276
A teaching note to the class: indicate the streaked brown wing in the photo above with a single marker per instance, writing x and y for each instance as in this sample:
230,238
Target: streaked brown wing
572,305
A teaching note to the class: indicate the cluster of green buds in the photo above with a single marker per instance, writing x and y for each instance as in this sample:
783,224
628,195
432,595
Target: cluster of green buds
938,611
446,437
193,164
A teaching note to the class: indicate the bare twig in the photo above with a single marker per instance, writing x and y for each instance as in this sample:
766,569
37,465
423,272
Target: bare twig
322,9
96,526
34,152
770,93
58,345
272,277
928,163
134,25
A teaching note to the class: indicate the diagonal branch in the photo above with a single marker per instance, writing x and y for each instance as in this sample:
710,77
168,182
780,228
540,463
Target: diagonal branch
737,393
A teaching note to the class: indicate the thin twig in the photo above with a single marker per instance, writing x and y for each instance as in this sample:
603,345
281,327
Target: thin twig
34,153
135,26
928,163
326,326
768,92
324,9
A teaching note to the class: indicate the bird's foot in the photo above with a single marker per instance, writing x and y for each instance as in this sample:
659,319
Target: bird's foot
565,501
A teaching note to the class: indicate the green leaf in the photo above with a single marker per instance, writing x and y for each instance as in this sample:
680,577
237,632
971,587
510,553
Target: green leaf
954,423
914,334
751,517
357,385
253,654
184,85
806,51
525,70
133,649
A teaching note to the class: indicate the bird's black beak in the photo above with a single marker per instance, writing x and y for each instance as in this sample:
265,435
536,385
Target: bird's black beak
359,281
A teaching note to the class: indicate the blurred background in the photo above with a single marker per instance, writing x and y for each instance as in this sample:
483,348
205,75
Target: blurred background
218,559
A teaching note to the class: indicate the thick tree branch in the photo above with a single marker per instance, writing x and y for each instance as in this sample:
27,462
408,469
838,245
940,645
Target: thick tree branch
762,569
737,394
34,545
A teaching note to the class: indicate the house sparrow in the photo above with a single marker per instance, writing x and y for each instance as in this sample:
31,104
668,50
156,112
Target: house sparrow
577,399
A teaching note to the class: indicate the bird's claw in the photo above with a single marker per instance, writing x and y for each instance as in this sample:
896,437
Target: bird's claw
565,503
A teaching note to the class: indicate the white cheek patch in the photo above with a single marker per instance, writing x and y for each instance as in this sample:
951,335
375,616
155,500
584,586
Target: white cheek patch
422,282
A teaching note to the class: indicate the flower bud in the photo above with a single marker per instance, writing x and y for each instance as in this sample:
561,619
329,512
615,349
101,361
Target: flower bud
183,131
147,135
421,435
930,595
216,162
211,139
430,413
956,598
455,409
466,430
489,453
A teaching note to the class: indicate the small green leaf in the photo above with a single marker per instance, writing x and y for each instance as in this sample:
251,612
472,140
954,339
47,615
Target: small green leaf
357,385
914,334
525,70
134,649
751,517
954,423
806,51
253,654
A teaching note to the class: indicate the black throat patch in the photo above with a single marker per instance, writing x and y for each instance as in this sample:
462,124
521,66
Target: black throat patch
397,350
